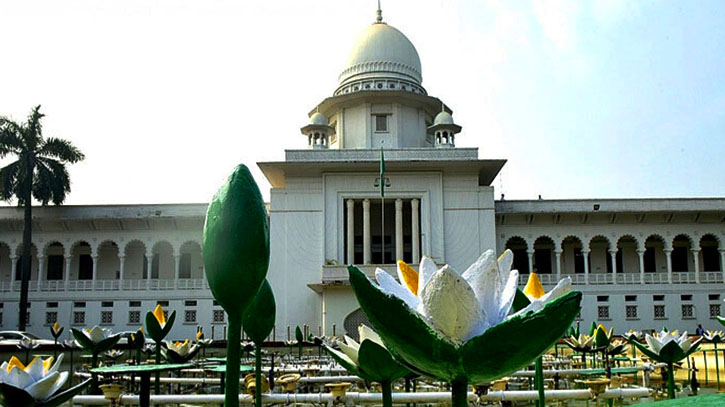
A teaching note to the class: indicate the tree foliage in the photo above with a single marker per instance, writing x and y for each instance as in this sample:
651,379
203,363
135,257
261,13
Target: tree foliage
41,162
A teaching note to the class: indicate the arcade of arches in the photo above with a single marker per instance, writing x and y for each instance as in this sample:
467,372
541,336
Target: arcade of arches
682,259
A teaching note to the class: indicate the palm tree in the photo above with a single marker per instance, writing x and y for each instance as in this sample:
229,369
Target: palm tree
38,173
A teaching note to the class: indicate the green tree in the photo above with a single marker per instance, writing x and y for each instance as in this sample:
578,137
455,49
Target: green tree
39,173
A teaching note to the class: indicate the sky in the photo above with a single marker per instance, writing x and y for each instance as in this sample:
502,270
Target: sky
585,99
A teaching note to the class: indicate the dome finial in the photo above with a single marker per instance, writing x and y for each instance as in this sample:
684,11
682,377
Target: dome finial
379,18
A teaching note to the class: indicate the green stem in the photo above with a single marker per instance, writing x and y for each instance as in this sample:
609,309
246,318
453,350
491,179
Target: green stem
157,385
459,392
717,368
670,381
70,376
231,384
258,374
94,377
540,382
584,360
387,393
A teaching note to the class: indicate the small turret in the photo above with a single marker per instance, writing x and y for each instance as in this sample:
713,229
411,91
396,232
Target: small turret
318,131
444,130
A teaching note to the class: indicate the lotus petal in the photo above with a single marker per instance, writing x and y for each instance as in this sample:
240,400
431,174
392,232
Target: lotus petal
350,348
367,333
19,378
450,304
653,343
408,277
505,262
426,269
508,294
35,368
43,388
376,362
389,285
345,361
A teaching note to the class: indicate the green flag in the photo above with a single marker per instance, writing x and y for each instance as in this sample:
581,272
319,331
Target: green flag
382,173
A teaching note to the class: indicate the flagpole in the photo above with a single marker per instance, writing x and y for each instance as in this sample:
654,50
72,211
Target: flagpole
382,212
382,203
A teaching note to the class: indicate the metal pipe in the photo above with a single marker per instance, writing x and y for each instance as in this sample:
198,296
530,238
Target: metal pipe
369,398
573,372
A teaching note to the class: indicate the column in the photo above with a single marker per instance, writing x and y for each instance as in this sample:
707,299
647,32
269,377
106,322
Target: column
613,256
177,268
13,271
41,269
722,263
696,259
398,229
66,272
149,264
585,254
557,254
95,268
531,260
414,204
122,267
350,231
640,253
366,231
668,256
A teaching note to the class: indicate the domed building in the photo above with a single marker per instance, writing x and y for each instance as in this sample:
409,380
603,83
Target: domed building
381,179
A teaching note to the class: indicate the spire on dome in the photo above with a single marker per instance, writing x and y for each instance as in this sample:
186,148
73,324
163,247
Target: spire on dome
379,18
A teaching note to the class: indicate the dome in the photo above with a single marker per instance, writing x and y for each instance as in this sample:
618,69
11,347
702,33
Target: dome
318,118
381,51
443,118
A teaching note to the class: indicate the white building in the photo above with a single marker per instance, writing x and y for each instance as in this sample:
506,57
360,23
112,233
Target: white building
641,263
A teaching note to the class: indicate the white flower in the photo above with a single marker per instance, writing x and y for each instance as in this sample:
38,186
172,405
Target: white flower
39,379
181,348
657,341
350,347
97,334
463,306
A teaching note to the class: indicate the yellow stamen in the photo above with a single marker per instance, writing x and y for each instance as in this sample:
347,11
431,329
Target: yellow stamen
410,276
133,338
177,344
15,362
159,314
186,341
140,329
47,363
198,335
56,327
533,288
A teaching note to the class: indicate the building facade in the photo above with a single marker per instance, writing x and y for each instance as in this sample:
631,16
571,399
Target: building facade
641,263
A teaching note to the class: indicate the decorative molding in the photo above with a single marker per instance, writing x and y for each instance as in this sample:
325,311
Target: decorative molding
408,154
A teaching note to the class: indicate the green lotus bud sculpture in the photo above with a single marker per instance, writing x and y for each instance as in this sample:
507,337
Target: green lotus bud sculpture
370,360
158,327
56,331
668,347
236,258
258,322
35,385
458,328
